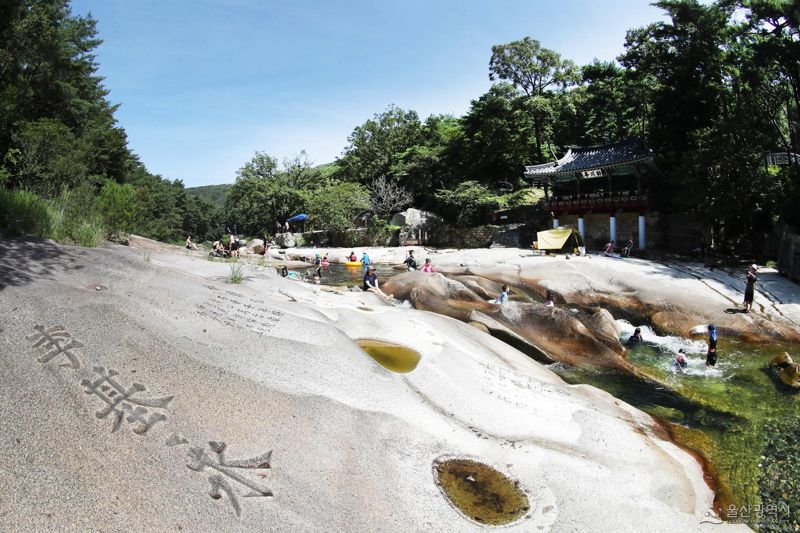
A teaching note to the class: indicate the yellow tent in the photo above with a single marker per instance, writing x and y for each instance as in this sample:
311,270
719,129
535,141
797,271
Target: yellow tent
558,239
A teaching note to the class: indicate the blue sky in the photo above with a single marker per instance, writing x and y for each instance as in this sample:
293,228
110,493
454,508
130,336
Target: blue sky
205,83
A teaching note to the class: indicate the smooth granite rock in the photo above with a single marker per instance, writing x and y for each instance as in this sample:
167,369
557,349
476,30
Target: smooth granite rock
170,400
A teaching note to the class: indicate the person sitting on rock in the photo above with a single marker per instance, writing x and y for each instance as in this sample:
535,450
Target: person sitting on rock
626,252
411,261
634,339
371,282
609,247
680,362
189,244
428,267
503,296
219,249
548,302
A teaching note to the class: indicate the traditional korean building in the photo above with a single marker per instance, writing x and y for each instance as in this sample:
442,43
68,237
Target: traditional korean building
602,190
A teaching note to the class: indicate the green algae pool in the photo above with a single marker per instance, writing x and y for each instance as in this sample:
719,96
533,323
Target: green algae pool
394,357
480,492
735,415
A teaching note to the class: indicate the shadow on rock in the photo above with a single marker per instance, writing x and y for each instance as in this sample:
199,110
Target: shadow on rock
25,259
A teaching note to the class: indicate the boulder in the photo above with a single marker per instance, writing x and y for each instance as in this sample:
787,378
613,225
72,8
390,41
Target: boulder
256,246
791,375
285,240
586,338
781,361
415,217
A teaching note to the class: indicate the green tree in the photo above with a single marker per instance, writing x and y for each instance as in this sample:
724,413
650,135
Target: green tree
431,162
46,157
262,196
261,166
375,146
469,203
705,121
117,205
535,71
498,137
334,206
48,72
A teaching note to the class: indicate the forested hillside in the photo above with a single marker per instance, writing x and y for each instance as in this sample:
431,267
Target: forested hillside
215,194
65,167
712,90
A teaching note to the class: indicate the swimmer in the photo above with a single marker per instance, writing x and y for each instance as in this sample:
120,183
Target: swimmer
680,362
635,339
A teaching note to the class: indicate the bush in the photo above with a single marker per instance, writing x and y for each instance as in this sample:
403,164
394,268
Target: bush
383,234
65,218
24,213
73,219
237,273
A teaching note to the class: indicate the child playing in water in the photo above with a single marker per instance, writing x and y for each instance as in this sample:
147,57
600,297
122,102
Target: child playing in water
680,362
503,296
636,338
428,267
711,356
548,302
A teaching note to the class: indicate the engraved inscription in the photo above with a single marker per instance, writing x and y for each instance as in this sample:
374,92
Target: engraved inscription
52,340
226,470
241,314
118,399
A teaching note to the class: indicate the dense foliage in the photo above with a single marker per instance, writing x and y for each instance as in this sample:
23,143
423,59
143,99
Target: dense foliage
712,88
60,143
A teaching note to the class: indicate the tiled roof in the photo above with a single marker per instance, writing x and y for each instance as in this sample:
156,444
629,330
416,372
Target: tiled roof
605,155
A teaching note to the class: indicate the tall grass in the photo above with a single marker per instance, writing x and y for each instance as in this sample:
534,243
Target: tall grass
237,273
24,213
67,218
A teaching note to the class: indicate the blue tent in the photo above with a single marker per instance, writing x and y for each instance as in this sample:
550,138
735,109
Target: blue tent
298,218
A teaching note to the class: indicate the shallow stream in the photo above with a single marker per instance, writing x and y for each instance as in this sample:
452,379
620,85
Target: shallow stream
338,274
736,416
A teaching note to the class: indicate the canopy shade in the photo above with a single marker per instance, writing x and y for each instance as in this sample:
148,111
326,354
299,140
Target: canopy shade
298,218
557,239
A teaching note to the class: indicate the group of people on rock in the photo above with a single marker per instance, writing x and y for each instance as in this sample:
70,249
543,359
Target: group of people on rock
611,247
218,248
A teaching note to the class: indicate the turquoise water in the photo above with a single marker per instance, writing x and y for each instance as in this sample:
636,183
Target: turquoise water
735,415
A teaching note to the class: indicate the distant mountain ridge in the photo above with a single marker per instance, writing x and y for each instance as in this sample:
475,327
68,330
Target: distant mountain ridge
213,193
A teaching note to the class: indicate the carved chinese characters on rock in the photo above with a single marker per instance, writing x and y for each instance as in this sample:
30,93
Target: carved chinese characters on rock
227,471
231,478
120,400
56,341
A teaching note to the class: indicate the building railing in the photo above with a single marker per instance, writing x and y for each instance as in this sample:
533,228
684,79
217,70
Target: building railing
599,201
